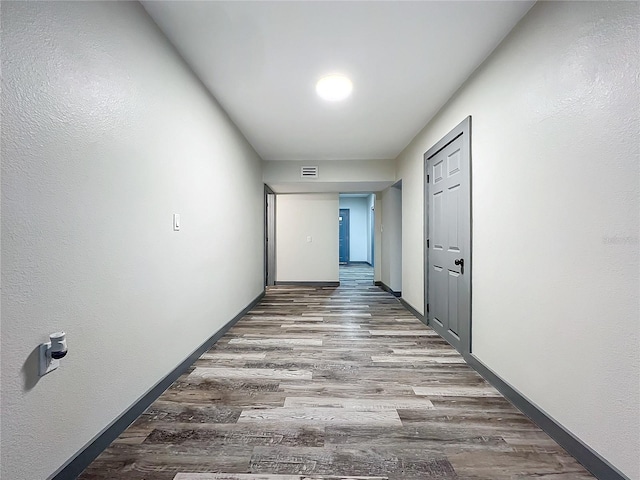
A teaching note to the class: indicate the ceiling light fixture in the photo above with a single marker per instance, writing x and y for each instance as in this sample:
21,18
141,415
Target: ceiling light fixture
334,88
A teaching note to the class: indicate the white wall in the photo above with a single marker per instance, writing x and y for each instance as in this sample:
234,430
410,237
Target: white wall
333,176
392,238
358,227
299,217
105,134
555,217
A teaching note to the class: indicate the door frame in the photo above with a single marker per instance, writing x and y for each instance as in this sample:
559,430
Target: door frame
269,236
462,129
372,232
348,235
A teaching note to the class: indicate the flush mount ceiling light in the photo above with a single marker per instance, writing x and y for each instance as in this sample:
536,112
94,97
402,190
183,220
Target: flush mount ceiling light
334,88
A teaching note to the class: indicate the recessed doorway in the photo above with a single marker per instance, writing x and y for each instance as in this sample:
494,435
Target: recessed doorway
357,231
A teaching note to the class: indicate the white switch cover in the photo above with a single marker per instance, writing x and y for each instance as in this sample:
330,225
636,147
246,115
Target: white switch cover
309,239
176,222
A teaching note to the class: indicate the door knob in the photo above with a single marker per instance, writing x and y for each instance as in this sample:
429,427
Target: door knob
460,261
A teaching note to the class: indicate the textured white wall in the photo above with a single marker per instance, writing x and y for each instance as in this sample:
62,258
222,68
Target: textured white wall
392,238
555,217
286,171
312,215
358,227
334,176
105,134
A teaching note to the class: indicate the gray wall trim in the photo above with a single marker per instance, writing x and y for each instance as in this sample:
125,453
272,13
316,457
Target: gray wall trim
386,288
81,460
591,460
311,284
463,128
270,236
416,313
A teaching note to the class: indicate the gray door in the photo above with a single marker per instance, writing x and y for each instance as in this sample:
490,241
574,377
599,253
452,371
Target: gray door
448,207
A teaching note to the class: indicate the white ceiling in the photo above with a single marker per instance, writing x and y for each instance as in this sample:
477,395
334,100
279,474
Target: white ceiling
261,61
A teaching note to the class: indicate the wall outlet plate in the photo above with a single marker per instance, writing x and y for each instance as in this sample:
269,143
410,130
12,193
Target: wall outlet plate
47,364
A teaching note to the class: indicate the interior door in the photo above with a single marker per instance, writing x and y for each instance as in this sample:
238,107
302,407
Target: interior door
449,238
344,235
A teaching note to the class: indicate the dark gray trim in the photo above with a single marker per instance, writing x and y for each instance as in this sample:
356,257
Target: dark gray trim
81,460
386,288
591,460
269,236
311,284
416,313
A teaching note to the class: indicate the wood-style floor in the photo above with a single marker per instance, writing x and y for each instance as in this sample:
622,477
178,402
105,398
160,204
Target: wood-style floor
332,383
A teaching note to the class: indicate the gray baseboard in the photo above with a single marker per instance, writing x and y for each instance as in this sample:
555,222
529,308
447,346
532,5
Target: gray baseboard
359,262
310,284
386,288
591,460
81,460
416,313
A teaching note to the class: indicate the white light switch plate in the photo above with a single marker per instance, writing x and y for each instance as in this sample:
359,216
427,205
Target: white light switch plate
176,222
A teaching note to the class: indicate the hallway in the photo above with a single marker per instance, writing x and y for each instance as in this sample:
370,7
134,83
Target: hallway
356,274
332,383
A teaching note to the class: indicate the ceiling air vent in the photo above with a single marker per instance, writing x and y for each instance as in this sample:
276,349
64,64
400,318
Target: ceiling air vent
309,172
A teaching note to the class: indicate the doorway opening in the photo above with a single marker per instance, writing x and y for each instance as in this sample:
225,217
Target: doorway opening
269,237
357,238
391,240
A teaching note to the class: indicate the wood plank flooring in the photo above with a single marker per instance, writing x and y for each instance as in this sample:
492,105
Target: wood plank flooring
335,384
